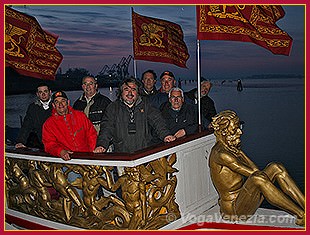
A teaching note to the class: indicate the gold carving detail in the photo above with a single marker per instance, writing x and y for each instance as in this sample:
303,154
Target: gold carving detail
141,197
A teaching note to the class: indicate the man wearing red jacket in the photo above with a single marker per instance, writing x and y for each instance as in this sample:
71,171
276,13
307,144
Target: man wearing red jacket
67,130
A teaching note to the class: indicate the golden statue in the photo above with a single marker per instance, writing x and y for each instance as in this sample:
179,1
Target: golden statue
19,190
240,184
133,193
69,194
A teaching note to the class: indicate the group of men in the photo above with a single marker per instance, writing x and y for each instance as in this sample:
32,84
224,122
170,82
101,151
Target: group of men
94,124
139,117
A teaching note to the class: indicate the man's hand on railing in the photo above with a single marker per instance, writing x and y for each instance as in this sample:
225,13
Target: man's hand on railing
180,133
65,154
169,138
20,145
99,149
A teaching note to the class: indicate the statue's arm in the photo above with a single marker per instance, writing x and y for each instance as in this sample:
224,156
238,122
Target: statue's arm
249,161
236,165
109,184
143,201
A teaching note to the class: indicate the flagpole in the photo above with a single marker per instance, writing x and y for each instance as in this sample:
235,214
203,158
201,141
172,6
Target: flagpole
133,50
135,67
198,84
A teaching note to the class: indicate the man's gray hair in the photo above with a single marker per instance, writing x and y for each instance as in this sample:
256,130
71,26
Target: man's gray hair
89,76
176,89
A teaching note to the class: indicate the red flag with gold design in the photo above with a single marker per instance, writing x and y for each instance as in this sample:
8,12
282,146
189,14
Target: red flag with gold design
248,23
29,49
158,40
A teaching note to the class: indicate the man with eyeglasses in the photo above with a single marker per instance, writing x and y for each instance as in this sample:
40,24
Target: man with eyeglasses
180,117
67,130
30,134
149,81
91,102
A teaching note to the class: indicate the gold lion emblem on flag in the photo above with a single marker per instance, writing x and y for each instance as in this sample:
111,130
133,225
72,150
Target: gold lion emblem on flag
10,32
151,36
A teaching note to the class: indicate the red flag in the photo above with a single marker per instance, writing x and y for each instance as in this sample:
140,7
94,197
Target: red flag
158,40
248,23
29,49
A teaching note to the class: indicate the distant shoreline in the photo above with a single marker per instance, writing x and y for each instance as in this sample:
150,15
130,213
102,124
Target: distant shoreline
16,84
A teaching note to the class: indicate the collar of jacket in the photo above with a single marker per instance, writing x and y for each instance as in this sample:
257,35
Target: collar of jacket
149,92
83,97
40,103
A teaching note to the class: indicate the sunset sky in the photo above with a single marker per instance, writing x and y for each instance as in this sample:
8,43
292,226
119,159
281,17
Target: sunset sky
91,36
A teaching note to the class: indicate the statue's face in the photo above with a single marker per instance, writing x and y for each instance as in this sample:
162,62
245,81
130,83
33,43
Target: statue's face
133,173
234,133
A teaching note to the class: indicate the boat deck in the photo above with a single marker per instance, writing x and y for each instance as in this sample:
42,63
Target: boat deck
263,219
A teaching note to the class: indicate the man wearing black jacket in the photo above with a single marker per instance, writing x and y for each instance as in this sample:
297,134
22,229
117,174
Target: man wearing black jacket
207,104
181,118
126,123
149,82
30,134
91,102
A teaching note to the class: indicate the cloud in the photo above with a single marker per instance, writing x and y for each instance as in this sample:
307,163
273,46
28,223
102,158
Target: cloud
92,36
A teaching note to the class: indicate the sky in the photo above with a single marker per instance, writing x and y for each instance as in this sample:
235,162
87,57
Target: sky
92,36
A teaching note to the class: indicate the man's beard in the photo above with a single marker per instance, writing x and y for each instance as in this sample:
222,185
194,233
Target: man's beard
234,142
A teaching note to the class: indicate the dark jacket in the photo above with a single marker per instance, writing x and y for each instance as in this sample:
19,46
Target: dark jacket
146,93
115,126
158,99
207,105
186,118
35,117
96,111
